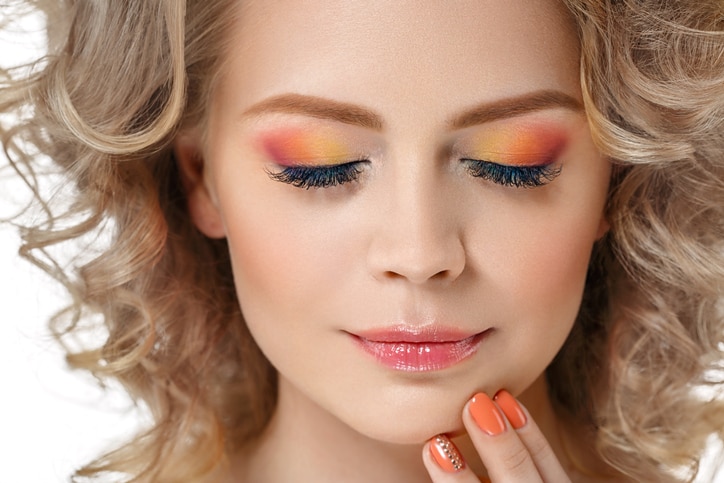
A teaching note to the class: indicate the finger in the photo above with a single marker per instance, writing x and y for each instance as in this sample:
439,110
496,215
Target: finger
502,452
532,437
444,462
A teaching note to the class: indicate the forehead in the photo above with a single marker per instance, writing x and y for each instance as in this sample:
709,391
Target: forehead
382,53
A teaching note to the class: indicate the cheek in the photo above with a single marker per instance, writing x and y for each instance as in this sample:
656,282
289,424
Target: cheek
534,265
535,260
536,296
548,246
286,261
272,263
270,268
550,270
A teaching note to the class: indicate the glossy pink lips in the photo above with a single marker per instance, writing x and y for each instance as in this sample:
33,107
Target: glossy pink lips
425,351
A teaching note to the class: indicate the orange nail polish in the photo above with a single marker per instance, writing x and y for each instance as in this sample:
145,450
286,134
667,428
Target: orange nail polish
511,408
486,414
445,454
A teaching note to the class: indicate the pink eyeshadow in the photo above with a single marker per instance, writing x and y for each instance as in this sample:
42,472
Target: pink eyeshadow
524,145
289,146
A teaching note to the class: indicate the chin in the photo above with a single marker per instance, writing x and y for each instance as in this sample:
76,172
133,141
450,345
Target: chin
409,435
410,427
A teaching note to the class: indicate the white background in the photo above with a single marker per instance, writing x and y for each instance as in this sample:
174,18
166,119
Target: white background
51,420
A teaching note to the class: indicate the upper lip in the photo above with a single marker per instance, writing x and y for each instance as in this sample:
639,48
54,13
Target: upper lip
408,334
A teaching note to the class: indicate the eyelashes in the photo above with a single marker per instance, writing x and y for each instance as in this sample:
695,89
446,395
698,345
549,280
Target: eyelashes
513,176
501,174
318,176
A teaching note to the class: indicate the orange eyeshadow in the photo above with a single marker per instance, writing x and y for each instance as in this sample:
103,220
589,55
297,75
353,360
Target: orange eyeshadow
524,145
290,146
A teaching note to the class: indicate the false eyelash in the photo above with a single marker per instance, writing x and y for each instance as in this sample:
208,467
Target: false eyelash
318,176
513,176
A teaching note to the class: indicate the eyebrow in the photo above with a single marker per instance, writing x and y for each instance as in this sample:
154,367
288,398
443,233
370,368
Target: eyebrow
514,106
321,108
318,107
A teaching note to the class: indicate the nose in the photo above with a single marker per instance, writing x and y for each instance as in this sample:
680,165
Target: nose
417,236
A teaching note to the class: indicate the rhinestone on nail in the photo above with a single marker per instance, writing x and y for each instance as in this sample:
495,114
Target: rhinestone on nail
451,452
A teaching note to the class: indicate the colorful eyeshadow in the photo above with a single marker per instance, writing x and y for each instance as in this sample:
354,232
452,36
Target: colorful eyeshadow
290,146
520,145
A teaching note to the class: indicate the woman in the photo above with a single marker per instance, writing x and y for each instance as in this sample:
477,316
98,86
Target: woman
383,241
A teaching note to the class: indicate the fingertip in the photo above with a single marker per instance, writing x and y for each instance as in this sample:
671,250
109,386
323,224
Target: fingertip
445,454
486,414
511,408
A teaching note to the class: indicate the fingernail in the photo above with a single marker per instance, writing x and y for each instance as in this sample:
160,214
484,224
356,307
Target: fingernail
511,408
445,454
486,414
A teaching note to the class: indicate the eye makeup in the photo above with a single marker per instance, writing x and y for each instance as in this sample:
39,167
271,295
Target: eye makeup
520,145
290,146
520,156
314,156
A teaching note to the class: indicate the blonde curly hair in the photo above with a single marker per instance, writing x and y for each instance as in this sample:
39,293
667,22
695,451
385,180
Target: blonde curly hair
650,330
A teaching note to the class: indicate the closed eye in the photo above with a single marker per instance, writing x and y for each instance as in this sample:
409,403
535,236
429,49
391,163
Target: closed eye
305,176
512,176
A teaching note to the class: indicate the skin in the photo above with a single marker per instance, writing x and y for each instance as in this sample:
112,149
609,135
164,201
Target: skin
415,240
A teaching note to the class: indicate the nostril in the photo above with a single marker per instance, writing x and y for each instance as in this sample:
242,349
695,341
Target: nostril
442,274
419,275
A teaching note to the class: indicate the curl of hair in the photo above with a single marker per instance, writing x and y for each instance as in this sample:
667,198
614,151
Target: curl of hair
116,85
652,74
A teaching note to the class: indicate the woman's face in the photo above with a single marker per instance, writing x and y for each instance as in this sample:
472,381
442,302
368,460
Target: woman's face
410,195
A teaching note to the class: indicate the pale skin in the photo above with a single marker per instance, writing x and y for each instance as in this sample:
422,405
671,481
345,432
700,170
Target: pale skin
414,239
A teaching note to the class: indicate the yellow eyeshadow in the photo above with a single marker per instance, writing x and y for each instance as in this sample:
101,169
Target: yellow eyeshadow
299,146
516,145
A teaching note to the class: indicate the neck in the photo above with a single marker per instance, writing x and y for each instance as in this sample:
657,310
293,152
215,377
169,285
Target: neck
303,442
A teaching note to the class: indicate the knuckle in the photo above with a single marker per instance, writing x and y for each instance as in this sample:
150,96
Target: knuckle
539,449
516,459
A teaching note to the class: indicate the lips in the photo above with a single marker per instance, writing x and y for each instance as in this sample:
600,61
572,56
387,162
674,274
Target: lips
419,350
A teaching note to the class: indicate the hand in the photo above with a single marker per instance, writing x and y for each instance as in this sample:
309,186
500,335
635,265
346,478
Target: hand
510,445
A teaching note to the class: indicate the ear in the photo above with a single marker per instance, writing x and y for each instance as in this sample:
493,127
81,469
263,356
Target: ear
193,172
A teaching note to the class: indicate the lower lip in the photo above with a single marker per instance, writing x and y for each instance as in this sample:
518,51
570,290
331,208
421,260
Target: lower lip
421,356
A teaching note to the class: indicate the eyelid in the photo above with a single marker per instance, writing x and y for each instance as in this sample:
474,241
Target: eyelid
521,142
320,167
313,143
